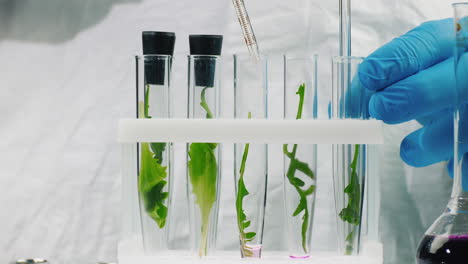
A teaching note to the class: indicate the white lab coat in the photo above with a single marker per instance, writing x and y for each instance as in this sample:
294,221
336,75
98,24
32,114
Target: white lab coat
66,77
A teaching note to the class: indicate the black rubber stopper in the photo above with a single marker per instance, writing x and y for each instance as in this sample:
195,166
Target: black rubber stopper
205,68
157,43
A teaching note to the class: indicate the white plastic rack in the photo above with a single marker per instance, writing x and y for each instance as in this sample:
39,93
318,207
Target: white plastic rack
253,131
240,131
131,253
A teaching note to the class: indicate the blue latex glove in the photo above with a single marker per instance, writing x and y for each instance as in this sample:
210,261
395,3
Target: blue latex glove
414,79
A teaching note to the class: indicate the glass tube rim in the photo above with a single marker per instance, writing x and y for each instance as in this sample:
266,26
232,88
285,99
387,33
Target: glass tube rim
201,56
347,59
460,4
244,56
158,56
300,57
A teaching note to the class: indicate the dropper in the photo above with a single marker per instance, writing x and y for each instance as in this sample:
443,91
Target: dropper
247,29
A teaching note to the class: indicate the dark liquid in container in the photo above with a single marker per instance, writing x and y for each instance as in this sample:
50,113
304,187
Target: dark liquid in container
443,250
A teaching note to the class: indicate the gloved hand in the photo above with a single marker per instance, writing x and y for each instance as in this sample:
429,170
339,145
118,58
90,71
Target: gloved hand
414,79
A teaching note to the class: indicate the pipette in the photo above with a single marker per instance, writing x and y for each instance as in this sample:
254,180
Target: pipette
247,29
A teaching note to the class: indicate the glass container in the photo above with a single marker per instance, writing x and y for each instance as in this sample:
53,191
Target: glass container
446,241
299,160
349,101
154,163
204,159
250,160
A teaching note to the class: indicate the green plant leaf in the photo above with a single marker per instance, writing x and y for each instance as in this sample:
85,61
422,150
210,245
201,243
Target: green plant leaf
298,182
158,150
309,191
286,151
250,235
297,165
145,113
203,173
352,212
151,182
301,93
152,175
305,223
204,104
301,206
349,242
242,192
304,168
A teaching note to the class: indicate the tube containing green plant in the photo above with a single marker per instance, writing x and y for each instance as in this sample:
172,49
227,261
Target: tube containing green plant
154,162
250,159
349,101
300,160
203,164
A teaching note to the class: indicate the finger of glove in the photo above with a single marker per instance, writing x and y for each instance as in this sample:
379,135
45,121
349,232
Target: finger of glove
426,92
354,103
431,144
426,119
420,48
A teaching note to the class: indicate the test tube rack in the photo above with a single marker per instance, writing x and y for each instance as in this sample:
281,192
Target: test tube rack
132,131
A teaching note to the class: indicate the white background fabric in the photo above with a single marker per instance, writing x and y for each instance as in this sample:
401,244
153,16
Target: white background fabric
66,77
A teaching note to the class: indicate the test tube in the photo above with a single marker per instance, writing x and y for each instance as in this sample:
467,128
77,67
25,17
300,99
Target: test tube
349,101
300,160
155,172
250,159
460,188
204,159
